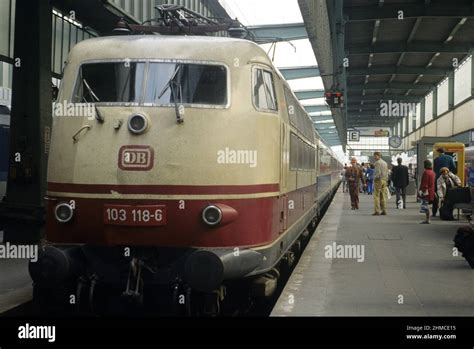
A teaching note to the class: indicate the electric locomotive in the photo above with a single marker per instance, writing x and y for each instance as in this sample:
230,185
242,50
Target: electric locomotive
184,162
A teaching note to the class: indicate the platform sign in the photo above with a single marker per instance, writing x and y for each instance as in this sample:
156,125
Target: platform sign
382,133
354,136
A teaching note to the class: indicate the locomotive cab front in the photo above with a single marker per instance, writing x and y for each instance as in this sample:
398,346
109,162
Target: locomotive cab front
154,157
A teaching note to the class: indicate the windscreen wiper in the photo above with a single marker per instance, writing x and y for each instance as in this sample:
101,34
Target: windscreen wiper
98,114
89,89
172,85
125,85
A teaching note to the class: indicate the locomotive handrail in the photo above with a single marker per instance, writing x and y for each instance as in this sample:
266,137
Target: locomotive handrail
74,137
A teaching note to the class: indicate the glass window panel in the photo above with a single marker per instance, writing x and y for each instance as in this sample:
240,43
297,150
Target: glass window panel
264,91
66,32
4,27
109,82
443,97
462,81
74,31
167,83
53,39
418,115
12,25
270,90
146,8
57,46
187,84
259,90
429,108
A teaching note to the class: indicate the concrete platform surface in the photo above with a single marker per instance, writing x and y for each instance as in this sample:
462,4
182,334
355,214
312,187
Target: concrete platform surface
15,283
408,268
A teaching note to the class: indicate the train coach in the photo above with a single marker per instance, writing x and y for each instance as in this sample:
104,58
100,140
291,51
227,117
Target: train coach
182,163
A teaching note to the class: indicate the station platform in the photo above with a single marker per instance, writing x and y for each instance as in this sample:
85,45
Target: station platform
15,284
408,268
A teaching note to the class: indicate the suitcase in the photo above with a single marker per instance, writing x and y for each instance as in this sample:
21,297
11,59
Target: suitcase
446,213
464,242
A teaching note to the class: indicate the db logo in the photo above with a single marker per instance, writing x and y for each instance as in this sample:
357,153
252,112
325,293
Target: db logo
136,158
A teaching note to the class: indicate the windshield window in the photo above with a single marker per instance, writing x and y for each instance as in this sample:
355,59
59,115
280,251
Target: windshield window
109,82
186,83
165,83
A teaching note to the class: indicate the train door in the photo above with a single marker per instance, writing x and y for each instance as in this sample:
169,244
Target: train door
284,157
284,168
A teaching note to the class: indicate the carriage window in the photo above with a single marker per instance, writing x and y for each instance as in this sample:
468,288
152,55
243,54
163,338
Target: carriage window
264,90
109,82
166,83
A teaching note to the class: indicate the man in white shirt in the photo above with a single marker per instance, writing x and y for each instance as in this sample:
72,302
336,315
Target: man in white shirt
380,185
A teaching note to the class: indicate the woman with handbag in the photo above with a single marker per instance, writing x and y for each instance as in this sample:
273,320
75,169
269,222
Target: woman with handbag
446,181
427,190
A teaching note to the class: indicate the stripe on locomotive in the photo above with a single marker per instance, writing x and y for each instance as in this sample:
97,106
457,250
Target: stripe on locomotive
258,222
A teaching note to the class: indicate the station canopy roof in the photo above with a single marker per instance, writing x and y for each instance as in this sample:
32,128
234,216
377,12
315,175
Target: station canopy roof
400,50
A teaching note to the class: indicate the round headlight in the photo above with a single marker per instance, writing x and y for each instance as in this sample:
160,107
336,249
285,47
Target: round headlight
137,123
63,212
212,215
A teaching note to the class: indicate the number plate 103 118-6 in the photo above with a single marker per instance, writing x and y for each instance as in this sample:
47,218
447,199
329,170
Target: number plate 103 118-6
142,215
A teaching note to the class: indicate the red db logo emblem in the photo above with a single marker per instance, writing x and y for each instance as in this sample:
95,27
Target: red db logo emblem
136,158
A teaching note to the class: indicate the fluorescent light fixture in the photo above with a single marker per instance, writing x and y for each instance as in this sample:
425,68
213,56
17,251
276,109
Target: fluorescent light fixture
321,113
323,122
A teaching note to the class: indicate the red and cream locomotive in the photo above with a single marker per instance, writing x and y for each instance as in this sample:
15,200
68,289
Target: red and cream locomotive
195,166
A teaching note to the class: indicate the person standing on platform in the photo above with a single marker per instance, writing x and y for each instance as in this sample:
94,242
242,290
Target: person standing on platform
380,184
354,176
443,160
362,187
427,190
370,179
344,179
400,181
